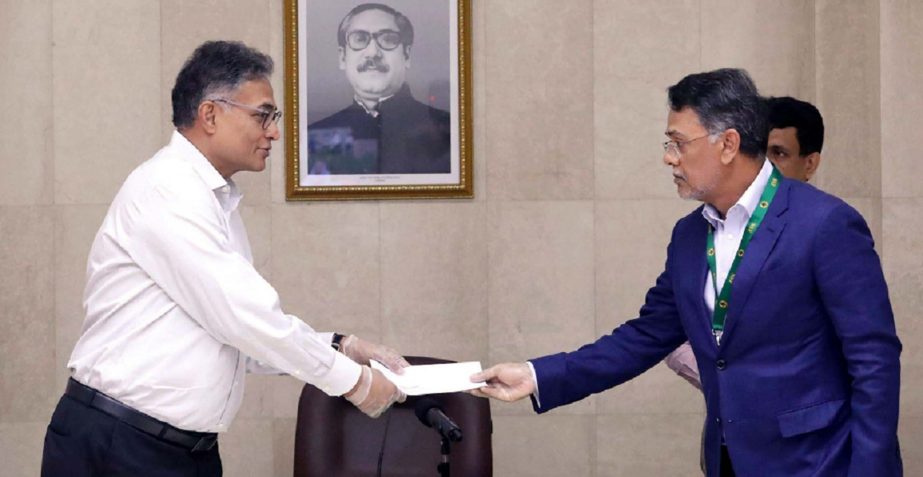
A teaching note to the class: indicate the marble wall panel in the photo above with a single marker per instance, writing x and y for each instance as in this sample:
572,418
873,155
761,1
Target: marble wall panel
28,391
434,277
326,265
539,84
25,87
848,95
901,97
106,93
773,40
545,446
638,51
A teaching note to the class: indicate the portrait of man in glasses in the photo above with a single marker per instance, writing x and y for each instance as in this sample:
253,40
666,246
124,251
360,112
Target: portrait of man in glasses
384,129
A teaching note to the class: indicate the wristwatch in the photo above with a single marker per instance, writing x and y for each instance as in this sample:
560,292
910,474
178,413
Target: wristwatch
337,341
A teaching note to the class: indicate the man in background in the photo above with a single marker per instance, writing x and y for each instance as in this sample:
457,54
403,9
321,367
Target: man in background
384,130
796,137
175,312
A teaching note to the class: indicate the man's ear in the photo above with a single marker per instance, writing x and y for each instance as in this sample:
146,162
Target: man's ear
207,116
730,146
811,163
341,52
407,55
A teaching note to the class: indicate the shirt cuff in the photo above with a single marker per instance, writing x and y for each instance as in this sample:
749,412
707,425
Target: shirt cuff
343,376
326,336
534,380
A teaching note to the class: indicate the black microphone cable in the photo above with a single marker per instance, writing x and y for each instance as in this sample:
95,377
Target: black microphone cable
384,438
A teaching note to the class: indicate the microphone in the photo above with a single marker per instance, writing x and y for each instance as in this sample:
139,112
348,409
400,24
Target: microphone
429,412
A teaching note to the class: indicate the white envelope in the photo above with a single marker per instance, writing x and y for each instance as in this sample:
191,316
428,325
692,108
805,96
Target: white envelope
433,378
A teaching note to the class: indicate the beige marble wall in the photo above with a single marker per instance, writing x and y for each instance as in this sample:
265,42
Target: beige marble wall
572,211
902,199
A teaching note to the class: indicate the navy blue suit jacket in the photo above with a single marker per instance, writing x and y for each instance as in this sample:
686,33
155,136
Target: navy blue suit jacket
807,378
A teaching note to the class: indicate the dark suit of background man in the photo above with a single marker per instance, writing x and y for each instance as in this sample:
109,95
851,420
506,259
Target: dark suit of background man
176,315
803,378
385,130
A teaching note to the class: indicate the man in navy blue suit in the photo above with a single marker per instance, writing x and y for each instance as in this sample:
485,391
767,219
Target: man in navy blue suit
778,289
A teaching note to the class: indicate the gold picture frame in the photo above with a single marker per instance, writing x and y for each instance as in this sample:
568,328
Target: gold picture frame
334,159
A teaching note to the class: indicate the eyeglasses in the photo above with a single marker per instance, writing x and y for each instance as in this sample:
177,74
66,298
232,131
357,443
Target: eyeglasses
266,117
386,39
674,148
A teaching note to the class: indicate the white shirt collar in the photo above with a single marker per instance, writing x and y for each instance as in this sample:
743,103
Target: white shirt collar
372,113
225,189
747,202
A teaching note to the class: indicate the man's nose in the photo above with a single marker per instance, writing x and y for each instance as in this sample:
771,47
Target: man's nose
273,132
372,49
670,159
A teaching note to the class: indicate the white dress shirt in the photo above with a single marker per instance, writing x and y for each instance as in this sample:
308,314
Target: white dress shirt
175,311
729,230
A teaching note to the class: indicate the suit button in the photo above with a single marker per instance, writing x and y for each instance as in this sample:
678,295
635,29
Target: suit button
721,364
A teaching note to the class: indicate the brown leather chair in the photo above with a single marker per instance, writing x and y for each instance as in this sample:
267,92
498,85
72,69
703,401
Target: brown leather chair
333,438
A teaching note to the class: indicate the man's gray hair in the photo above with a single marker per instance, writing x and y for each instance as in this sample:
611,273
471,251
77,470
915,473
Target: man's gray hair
215,68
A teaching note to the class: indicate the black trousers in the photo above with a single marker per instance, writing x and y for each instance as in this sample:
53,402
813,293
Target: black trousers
84,442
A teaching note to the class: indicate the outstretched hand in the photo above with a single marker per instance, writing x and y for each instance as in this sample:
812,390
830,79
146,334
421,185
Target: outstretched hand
362,352
506,382
373,393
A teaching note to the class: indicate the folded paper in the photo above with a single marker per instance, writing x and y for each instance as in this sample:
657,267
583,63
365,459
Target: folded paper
433,378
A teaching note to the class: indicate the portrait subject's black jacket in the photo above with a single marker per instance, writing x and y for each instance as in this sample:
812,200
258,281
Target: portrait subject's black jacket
407,137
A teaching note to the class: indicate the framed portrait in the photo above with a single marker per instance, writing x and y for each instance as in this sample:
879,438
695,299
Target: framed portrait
378,99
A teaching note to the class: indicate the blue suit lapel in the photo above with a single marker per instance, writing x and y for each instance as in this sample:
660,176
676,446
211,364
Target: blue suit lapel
762,244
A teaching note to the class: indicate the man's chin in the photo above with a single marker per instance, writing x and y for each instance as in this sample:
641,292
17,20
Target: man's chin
375,91
259,165
685,193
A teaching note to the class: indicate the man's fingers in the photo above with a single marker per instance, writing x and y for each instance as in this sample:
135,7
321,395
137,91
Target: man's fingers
477,393
395,362
493,392
484,376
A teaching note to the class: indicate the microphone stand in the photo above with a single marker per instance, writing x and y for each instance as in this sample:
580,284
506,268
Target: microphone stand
443,468
430,414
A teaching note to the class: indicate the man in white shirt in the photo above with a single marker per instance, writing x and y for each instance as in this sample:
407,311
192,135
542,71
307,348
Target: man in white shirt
175,312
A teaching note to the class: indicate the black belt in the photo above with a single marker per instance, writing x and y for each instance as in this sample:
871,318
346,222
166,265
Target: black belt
194,441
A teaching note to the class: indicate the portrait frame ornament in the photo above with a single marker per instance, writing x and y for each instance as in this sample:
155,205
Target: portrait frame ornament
313,147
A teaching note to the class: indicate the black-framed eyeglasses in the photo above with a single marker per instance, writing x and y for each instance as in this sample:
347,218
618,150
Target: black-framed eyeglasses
387,40
266,117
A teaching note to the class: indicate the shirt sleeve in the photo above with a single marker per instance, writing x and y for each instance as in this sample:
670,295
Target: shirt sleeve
536,400
258,367
682,362
179,236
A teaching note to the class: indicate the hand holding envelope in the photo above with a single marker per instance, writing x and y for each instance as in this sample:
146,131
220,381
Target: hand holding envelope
433,378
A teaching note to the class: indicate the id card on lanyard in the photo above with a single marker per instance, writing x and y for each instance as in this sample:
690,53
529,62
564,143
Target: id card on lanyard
722,300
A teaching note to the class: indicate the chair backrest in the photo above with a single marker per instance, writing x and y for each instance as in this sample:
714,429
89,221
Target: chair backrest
333,438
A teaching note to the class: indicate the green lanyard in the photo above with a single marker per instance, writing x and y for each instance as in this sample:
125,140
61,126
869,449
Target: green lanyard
722,300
